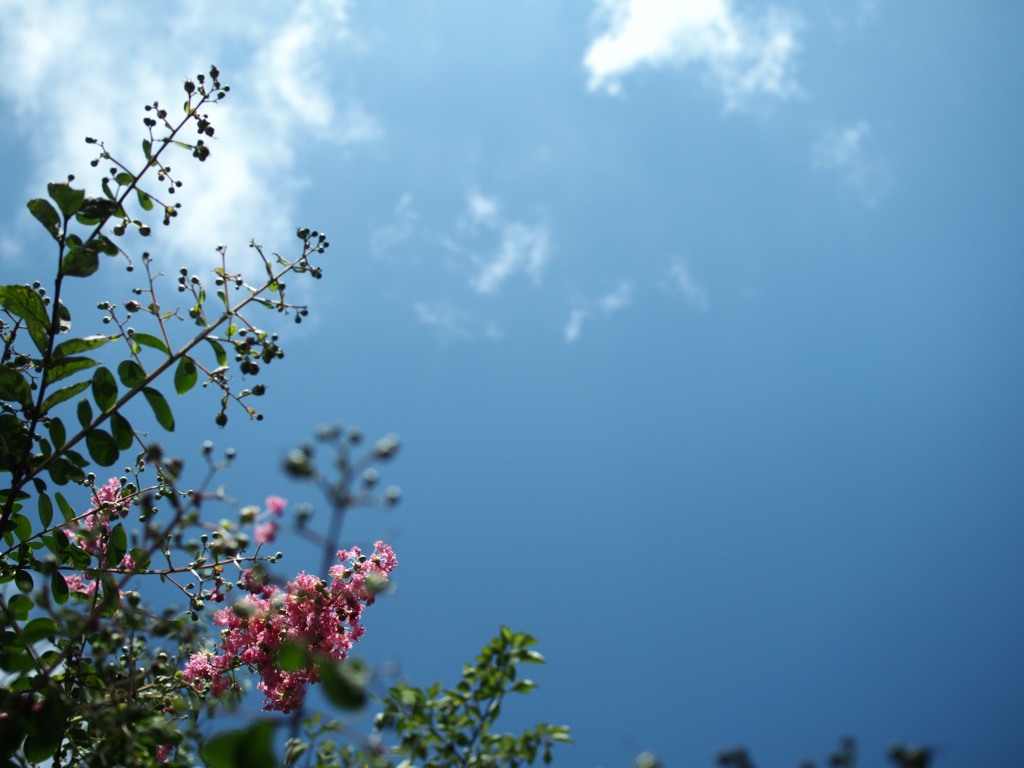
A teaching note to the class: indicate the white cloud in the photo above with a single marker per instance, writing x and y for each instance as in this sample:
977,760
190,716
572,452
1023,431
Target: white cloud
519,247
446,319
842,151
684,281
574,325
401,228
273,55
621,297
611,302
742,57
522,248
482,209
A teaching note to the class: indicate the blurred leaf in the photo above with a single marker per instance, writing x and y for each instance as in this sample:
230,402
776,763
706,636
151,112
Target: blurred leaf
344,683
65,508
241,749
41,628
292,657
23,581
117,546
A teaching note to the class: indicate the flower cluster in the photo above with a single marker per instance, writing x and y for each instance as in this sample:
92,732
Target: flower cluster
92,532
310,612
266,526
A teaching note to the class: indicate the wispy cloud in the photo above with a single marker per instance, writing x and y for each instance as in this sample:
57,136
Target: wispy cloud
617,299
274,55
402,227
683,280
444,317
841,150
741,56
502,247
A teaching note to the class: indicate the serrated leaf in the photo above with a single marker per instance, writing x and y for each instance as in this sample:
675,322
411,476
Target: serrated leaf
47,215
13,386
161,409
131,373
55,398
67,366
185,376
152,342
21,301
102,447
122,431
68,199
86,344
104,389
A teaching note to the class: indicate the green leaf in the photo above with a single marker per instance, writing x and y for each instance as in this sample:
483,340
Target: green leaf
69,200
131,373
241,749
147,148
79,261
153,342
20,606
185,376
122,431
344,683
58,587
292,657
65,509
219,353
117,545
21,301
45,510
84,413
13,386
161,409
55,398
110,601
102,447
47,216
67,366
104,389
23,581
42,628
124,178
58,435
144,200
95,209
86,344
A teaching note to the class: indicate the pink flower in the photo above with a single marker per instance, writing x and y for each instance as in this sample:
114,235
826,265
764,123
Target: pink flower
276,505
309,612
163,752
266,532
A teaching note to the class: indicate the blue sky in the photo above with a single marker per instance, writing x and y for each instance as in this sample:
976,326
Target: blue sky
701,322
